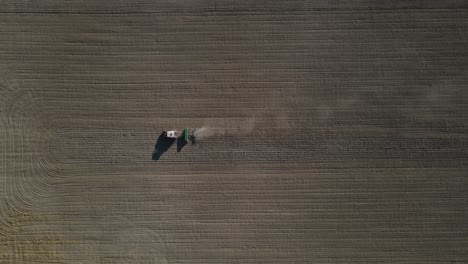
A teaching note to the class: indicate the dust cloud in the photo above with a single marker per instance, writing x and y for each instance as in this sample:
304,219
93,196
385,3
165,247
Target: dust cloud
226,127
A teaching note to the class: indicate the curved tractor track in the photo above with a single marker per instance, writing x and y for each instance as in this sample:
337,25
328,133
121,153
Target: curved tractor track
327,133
28,176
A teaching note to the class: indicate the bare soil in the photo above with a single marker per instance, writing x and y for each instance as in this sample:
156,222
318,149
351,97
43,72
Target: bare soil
329,133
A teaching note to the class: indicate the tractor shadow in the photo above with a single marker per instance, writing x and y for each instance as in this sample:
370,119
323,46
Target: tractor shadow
181,143
162,145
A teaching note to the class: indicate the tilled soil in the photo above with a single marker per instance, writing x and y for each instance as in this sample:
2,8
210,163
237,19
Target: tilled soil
332,133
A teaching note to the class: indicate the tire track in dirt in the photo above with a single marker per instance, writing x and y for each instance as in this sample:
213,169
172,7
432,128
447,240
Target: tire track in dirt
27,180
28,174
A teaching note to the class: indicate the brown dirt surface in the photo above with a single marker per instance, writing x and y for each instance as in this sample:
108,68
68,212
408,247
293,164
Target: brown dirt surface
332,132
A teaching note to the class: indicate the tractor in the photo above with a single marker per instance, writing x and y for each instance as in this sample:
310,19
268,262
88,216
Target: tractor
185,135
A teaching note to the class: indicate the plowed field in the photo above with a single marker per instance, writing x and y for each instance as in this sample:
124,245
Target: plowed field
332,133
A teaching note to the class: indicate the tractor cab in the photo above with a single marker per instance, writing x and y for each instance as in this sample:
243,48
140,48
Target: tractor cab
170,134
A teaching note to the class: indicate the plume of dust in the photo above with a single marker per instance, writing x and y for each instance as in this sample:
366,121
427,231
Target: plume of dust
226,127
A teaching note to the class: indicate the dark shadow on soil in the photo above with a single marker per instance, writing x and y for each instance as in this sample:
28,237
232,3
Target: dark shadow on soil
162,145
181,143
192,139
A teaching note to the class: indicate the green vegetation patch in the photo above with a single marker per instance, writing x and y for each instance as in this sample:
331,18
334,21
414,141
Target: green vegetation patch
18,245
